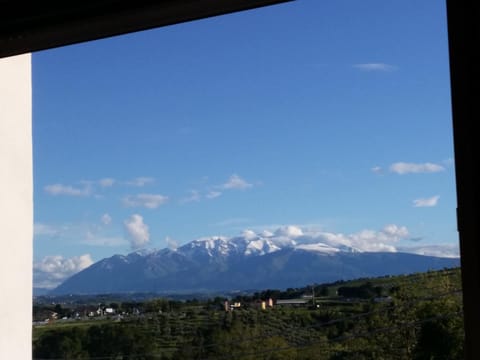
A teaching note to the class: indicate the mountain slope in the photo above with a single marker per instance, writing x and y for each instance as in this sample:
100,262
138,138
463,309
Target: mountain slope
246,262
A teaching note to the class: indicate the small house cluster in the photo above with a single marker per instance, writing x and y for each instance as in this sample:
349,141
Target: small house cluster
269,303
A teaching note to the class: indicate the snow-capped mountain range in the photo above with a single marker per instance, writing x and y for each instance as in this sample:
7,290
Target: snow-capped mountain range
285,258
250,244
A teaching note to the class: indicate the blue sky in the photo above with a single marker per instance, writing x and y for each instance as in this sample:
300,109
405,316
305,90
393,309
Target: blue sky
329,116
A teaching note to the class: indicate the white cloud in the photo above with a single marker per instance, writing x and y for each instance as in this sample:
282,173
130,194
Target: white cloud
137,231
249,234
150,201
395,232
194,196
384,240
141,181
213,194
365,240
84,233
377,170
93,239
290,231
426,202
407,168
106,182
40,229
53,270
106,219
444,250
236,182
267,233
171,243
60,189
375,67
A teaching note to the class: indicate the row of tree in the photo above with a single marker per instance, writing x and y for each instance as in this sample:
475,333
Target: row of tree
423,320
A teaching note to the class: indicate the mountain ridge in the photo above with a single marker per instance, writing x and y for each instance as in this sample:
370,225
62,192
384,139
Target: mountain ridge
252,260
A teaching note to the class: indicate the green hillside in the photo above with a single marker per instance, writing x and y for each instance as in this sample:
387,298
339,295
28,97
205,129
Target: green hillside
417,316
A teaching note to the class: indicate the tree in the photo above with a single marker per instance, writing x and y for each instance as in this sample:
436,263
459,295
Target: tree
64,344
441,334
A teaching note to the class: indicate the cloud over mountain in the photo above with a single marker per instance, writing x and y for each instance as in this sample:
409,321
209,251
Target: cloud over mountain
444,250
288,257
137,231
244,248
54,269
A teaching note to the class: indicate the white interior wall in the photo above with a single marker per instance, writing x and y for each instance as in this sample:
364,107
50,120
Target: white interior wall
16,207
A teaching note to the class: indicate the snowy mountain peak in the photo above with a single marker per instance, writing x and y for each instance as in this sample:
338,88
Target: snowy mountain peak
250,243
260,246
283,258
